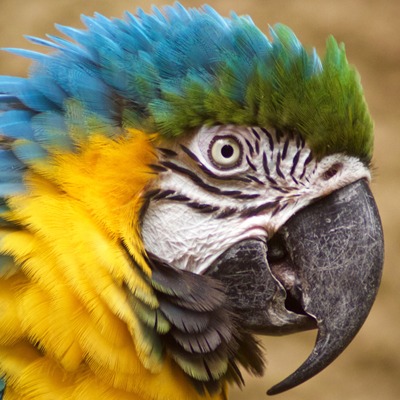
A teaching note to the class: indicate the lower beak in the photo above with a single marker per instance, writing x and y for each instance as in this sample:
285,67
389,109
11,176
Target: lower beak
326,276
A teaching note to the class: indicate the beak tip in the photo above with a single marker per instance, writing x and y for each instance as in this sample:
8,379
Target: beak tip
274,390
289,383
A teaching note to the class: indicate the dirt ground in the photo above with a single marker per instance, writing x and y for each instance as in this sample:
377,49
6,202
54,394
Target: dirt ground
370,368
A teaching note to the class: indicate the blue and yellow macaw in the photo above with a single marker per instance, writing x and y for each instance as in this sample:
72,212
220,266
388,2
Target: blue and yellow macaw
172,184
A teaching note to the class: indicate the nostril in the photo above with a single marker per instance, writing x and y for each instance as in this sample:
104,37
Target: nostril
332,171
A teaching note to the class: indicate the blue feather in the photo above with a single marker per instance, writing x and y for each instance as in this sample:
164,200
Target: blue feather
9,102
24,90
34,55
51,131
95,26
177,13
316,64
11,168
77,35
16,124
43,42
103,20
11,188
155,27
43,82
157,12
215,16
72,48
132,39
29,152
83,38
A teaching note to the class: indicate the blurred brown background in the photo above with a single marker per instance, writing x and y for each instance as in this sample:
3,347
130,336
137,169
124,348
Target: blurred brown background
370,368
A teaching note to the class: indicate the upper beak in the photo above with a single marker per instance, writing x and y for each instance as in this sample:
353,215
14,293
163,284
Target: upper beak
326,275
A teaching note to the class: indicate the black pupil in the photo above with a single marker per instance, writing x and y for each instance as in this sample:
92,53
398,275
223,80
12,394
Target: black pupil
227,151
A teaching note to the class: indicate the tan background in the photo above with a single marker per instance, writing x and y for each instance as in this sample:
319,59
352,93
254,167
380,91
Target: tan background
370,367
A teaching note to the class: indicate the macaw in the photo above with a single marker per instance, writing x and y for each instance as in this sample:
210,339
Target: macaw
172,184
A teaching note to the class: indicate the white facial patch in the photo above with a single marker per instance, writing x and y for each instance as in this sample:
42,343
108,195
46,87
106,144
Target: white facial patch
225,184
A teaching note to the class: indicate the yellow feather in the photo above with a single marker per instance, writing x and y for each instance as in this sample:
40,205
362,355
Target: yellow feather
68,329
10,323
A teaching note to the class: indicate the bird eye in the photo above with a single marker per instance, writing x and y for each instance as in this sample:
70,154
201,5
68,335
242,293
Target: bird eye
225,152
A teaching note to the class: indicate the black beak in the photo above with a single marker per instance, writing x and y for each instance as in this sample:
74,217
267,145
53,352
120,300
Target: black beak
322,271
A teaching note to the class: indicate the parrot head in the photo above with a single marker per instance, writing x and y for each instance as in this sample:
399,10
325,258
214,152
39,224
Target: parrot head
227,174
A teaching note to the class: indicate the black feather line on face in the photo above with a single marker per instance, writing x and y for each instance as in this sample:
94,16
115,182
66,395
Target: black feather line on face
255,133
270,139
251,149
295,161
251,165
157,168
253,211
167,152
286,146
278,166
205,339
255,179
306,162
